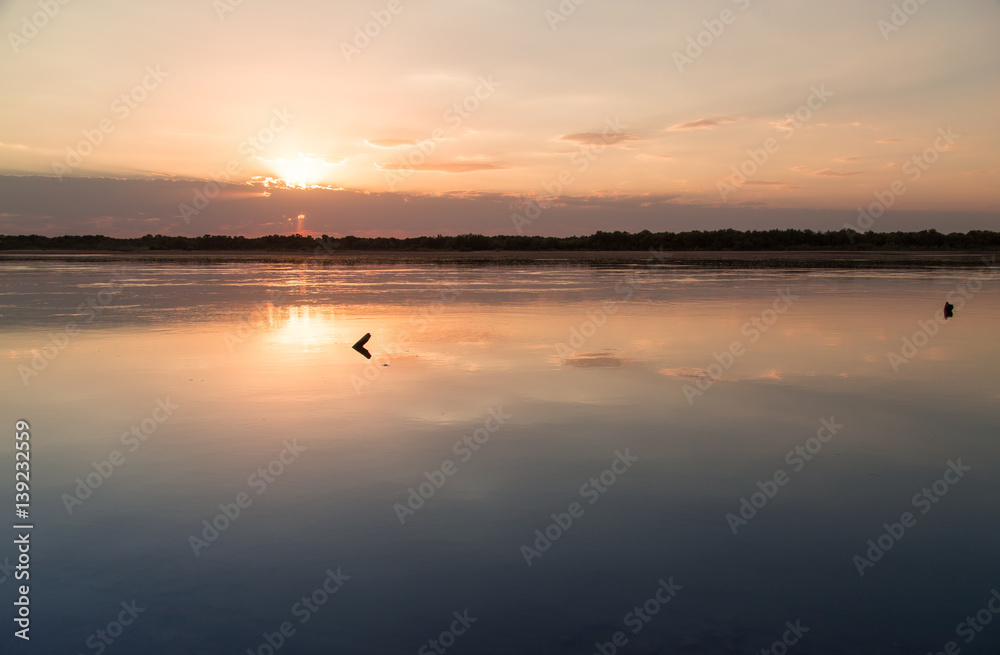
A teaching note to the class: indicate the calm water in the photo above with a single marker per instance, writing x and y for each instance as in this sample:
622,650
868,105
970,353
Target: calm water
505,395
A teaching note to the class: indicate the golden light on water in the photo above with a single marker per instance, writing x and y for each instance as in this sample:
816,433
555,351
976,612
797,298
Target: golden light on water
306,329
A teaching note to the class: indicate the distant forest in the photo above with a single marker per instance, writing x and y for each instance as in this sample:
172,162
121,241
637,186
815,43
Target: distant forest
805,240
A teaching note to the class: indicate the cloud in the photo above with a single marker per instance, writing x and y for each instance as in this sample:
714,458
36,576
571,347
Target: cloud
829,172
700,124
773,374
599,137
824,172
884,141
649,157
391,143
846,159
599,200
596,360
696,373
78,205
773,183
446,167
683,372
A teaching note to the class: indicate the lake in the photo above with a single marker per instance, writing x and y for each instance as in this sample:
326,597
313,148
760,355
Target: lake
636,458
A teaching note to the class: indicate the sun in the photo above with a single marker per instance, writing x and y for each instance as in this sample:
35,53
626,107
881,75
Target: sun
304,170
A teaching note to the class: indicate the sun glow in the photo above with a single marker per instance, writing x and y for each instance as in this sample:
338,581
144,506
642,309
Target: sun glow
302,171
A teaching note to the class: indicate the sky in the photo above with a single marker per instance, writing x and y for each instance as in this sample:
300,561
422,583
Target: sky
411,117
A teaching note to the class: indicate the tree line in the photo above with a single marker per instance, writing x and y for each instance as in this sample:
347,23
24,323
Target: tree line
806,240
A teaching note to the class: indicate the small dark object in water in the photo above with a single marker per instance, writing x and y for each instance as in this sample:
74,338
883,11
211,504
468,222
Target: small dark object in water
360,345
948,307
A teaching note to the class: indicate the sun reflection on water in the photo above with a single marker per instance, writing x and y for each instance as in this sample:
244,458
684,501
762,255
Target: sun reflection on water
304,327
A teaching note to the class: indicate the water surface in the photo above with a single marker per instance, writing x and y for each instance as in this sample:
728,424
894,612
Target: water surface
566,373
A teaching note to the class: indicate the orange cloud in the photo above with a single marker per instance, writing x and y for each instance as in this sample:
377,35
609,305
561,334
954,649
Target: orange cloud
596,360
445,167
391,143
700,124
829,172
598,137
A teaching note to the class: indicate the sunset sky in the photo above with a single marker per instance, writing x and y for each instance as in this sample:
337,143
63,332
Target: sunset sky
409,117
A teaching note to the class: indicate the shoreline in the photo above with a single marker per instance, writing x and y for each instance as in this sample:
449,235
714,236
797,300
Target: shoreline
692,258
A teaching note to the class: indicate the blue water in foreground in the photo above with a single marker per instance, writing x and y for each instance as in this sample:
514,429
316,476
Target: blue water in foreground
630,414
